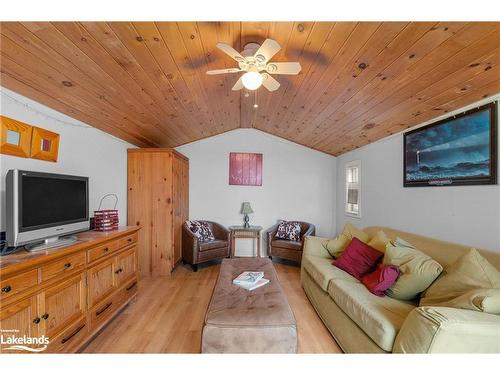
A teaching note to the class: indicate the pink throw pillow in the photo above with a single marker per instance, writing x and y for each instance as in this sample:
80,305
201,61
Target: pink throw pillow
381,279
358,259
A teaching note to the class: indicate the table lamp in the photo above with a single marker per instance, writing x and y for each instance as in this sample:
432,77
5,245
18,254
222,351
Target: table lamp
245,210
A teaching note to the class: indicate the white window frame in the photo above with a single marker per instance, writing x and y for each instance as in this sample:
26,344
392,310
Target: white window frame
348,212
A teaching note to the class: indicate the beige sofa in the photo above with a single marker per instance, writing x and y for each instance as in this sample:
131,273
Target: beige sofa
363,323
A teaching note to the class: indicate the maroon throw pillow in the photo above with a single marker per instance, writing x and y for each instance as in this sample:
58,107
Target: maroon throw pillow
381,279
358,259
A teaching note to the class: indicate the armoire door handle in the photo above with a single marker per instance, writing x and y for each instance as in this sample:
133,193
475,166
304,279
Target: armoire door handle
6,289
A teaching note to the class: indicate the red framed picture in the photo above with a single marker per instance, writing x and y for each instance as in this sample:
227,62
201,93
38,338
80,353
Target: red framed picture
245,169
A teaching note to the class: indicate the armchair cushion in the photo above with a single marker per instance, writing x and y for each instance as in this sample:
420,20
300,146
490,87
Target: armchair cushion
288,230
210,245
286,244
201,230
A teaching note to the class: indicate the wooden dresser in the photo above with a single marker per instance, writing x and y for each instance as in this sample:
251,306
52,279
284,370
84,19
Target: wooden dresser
69,293
158,200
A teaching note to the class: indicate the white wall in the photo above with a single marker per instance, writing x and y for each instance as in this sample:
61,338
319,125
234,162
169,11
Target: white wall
465,214
297,183
83,151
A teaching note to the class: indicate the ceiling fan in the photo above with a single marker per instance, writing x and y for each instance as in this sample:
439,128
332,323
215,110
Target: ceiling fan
254,61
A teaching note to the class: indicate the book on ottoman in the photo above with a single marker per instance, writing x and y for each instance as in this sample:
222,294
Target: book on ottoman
250,280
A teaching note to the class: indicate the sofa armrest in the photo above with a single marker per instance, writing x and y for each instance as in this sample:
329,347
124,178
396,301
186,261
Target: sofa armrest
448,330
315,246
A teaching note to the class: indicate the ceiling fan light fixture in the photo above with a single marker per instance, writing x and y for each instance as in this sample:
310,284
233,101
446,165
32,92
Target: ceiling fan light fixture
252,80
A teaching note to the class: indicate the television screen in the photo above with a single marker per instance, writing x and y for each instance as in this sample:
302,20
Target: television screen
460,150
48,201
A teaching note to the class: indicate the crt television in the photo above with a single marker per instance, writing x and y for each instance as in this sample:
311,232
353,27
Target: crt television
45,207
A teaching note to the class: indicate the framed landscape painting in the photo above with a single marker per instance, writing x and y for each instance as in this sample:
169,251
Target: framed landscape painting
461,150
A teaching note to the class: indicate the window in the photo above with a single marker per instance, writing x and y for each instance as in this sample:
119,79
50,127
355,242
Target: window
353,188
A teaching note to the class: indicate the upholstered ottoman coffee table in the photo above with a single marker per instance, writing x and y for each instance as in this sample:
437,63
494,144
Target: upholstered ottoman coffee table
242,321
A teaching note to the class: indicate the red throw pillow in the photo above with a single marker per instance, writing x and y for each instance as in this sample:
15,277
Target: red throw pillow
381,279
358,259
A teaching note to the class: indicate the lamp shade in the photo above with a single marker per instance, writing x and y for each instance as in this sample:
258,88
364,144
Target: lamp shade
246,209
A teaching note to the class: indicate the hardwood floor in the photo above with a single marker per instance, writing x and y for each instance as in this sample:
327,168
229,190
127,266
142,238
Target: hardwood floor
168,315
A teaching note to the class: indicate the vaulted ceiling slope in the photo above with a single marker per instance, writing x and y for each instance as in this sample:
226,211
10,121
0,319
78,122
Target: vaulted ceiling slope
145,82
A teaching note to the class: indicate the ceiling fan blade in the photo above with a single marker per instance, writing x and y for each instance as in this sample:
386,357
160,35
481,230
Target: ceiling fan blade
230,51
269,82
238,85
222,71
267,50
283,68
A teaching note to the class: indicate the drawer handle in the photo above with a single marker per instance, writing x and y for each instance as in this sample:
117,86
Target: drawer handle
131,286
45,316
6,289
103,309
120,270
129,240
36,320
105,249
66,339
67,265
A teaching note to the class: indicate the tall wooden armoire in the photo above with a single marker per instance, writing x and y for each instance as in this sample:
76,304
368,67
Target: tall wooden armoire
158,201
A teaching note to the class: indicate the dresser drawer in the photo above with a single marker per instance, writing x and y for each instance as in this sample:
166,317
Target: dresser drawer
16,284
127,240
63,266
103,311
70,339
129,290
102,250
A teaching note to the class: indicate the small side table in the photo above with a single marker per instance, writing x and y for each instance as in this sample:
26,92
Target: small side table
239,231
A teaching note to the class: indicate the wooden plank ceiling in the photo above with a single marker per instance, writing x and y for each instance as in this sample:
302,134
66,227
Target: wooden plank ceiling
145,82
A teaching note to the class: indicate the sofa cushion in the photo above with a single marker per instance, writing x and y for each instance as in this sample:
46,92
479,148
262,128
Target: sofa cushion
316,246
381,279
337,245
417,270
321,271
470,283
358,259
379,317
285,244
209,245
379,241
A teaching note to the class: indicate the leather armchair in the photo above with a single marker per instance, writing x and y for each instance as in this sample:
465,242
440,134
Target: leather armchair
195,252
291,250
